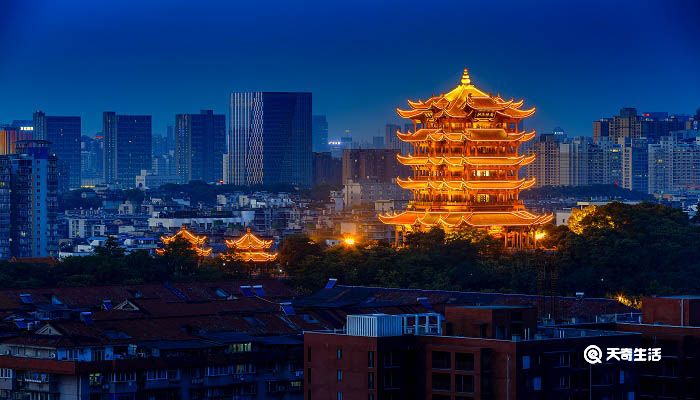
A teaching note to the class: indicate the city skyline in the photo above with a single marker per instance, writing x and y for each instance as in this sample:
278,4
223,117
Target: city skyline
141,79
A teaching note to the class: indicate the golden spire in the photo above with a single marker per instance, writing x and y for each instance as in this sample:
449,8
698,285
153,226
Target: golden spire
465,78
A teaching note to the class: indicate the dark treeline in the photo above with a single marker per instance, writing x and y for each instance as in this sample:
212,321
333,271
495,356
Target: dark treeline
612,249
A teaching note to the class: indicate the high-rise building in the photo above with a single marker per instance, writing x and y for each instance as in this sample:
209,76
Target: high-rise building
545,168
376,165
466,164
635,164
605,163
392,141
28,201
574,159
64,134
319,133
629,124
200,141
127,147
327,169
10,134
91,159
378,142
674,166
269,139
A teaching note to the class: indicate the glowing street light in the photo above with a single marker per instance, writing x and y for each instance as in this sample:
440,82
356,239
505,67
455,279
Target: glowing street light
349,241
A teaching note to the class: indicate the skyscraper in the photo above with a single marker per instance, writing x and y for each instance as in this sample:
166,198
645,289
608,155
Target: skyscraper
28,201
200,140
64,134
91,159
635,164
319,133
10,134
127,147
269,139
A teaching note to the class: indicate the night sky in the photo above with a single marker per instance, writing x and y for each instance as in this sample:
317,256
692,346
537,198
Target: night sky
574,61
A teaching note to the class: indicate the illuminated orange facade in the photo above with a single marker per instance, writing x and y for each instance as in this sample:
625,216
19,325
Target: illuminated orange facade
465,164
197,242
250,248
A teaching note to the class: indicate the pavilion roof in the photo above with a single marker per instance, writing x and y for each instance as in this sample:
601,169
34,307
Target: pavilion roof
520,184
470,218
521,160
462,101
472,135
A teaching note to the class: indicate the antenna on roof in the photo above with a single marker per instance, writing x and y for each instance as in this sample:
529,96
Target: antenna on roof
331,283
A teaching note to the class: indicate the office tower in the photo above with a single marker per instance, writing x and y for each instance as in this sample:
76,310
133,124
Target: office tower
10,134
269,139
64,134
127,147
200,140
375,165
28,201
635,164
91,159
319,133
161,145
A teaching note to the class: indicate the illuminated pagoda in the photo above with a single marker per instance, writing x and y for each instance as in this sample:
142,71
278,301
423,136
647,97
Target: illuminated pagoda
197,243
250,248
465,165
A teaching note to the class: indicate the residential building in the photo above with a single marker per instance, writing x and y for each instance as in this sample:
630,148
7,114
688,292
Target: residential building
200,142
486,352
127,147
269,139
327,170
10,134
64,135
28,201
378,165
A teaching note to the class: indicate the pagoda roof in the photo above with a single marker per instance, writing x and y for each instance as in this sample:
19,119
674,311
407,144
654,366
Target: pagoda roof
472,135
462,101
255,256
521,160
520,184
470,218
187,235
249,242
196,242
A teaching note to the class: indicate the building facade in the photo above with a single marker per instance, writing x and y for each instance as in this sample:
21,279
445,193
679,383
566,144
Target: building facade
200,143
376,165
64,134
127,147
319,133
28,202
269,139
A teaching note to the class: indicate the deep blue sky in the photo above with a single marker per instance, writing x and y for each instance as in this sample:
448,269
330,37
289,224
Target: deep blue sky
574,61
